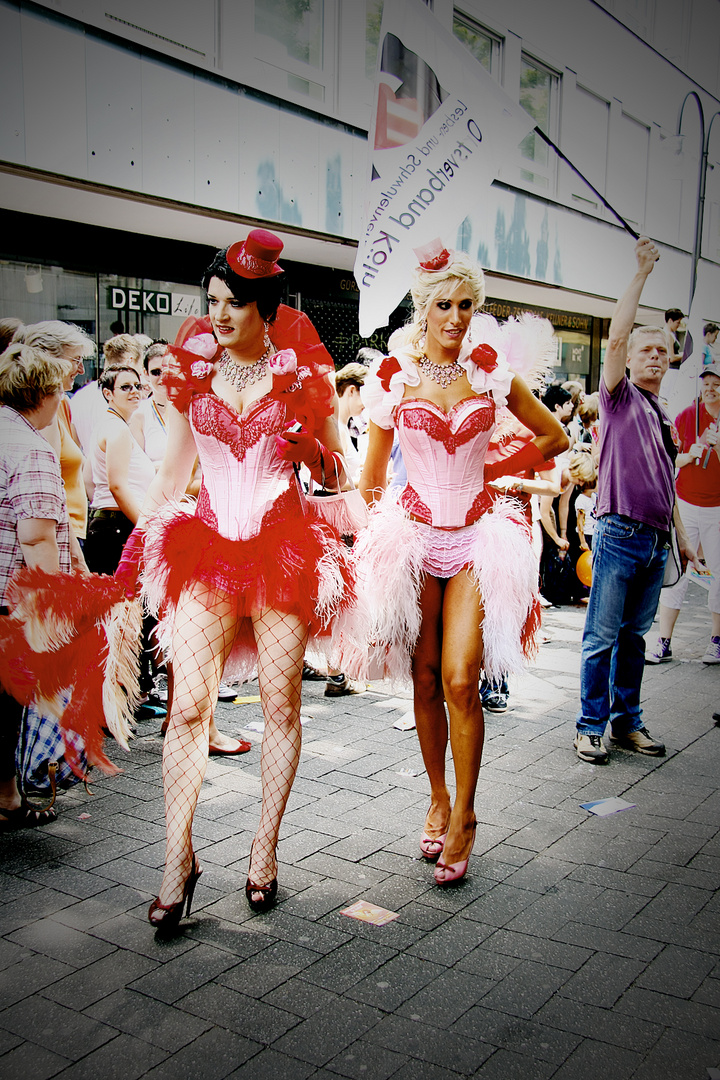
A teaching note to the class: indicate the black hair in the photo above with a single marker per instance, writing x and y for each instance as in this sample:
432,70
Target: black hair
267,292
673,313
109,376
710,328
555,395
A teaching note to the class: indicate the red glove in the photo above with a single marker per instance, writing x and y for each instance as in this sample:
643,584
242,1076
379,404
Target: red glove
527,458
303,448
128,569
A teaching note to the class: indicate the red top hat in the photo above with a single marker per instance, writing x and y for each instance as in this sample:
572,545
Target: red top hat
256,256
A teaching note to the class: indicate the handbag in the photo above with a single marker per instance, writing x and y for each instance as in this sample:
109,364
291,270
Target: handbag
346,511
40,757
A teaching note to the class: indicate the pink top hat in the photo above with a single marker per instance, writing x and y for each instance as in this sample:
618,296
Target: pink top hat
256,256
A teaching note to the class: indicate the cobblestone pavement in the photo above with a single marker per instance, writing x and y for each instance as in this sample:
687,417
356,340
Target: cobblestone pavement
578,947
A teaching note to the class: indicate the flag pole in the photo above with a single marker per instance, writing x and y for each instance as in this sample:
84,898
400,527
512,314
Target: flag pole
585,180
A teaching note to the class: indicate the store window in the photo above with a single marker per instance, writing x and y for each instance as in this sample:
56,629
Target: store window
484,46
539,96
295,42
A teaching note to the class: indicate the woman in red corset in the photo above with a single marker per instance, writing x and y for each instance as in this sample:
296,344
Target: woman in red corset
247,576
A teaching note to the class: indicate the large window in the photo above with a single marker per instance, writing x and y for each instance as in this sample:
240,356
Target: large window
484,46
295,44
539,94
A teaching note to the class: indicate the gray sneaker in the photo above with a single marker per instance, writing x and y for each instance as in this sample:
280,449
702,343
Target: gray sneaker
712,653
641,742
591,748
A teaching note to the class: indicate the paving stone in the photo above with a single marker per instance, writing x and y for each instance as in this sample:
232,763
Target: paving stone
186,972
328,1031
125,1058
62,942
429,1044
256,1020
602,980
28,1061
153,1021
395,982
506,1065
348,965
60,1030
680,1054
213,1056
501,904
321,898
446,999
676,971
91,983
269,968
270,1065
612,1028
524,1037
525,989
301,997
361,1061
597,1061
621,943
671,1011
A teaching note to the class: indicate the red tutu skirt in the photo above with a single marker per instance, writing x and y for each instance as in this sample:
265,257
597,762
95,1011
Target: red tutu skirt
296,563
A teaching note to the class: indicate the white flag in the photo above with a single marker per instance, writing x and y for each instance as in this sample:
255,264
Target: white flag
441,130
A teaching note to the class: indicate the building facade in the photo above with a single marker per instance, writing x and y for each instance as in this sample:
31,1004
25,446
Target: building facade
137,137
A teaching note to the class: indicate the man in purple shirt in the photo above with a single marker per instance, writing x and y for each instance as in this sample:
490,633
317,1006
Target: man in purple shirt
635,511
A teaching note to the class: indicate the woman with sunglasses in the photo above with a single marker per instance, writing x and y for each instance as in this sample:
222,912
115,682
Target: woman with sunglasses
121,471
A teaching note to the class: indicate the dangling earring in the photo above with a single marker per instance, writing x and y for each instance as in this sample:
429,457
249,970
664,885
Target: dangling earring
266,326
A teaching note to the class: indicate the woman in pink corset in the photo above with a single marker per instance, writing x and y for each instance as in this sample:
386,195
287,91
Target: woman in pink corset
247,576
448,570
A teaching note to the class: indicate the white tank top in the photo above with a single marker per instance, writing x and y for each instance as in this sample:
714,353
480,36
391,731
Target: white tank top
141,473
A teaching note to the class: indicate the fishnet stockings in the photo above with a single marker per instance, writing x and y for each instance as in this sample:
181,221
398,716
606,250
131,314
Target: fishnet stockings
202,638
204,631
281,641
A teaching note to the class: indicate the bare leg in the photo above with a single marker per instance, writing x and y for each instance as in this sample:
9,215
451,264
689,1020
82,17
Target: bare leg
429,705
668,618
204,631
461,659
281,641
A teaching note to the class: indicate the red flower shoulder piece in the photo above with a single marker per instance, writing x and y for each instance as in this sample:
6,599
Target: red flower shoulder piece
485,357
190,361
303,370
387,368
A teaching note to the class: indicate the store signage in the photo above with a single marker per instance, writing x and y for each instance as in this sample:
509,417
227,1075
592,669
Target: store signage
151,302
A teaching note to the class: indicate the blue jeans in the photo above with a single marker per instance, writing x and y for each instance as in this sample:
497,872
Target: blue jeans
627,574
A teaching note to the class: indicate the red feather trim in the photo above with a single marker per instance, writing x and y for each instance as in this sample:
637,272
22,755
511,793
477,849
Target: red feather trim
65,612
278,568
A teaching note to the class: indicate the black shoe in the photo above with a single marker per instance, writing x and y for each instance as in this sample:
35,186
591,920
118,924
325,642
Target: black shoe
496,701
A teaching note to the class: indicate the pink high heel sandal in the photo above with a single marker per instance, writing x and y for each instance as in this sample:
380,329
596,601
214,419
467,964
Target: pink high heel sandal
453,873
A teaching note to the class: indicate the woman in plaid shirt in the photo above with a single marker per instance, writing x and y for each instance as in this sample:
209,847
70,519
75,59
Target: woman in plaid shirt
34,526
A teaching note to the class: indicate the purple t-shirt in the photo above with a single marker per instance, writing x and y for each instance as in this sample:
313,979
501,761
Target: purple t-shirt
636,477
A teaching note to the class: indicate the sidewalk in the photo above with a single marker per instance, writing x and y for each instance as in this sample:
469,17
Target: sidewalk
578,948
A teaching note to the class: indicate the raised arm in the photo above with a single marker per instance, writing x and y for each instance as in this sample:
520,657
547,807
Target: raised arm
623,319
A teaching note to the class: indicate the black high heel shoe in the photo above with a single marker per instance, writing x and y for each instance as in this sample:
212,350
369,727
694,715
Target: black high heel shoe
166,917
268,893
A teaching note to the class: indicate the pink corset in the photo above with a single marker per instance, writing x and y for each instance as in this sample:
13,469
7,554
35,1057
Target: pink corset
242,475
444,455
